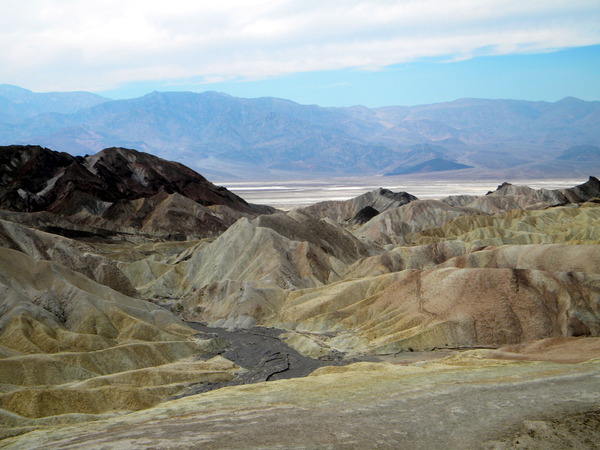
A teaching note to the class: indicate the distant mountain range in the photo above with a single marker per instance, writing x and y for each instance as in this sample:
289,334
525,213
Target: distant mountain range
225,137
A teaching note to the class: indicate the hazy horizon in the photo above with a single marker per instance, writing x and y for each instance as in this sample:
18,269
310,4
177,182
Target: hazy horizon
297,193
339,53
255,96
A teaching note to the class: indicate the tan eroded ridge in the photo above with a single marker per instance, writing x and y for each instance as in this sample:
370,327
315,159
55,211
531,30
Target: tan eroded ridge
91,325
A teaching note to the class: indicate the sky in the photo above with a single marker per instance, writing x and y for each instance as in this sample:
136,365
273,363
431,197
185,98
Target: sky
330,53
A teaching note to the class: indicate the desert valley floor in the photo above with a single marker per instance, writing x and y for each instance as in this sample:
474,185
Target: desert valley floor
144,307
291,194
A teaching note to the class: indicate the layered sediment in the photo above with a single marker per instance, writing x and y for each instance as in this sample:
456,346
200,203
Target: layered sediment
103,258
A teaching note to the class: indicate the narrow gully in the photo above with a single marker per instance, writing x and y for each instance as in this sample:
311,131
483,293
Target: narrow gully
262,353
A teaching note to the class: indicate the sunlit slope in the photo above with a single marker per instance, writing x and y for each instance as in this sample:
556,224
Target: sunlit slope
361,405
448,293
450,307
246,271
71,345
566,224
71,254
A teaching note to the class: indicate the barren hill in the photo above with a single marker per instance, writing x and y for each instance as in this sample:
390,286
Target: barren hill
437,303
119,190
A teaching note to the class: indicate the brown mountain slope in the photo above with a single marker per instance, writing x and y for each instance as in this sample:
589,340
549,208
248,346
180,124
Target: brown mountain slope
105,188
69,253
448,308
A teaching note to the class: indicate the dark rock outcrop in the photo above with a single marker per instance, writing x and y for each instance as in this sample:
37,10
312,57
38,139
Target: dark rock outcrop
577,194
117,186
364,215
344,211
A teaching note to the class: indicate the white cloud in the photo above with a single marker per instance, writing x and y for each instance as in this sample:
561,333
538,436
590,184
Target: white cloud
70,44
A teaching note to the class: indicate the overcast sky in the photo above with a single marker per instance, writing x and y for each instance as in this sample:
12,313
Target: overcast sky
332,53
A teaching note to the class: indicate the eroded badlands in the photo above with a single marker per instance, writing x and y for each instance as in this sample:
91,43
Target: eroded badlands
461,322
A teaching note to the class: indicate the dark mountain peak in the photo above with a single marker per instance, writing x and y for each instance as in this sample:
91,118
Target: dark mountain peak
26,170
586,191
136,174
26,166
34,178
500,189
116,157
400,197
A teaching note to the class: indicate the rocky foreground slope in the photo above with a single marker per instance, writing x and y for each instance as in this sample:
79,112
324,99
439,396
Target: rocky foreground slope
102,257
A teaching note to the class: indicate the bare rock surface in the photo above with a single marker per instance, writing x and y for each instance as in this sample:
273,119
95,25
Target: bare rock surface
441,294
405,257
379,200
550,257
69,345
560,350
448,308
392,226
577,194
461,403
459,200
573,431
67,252
248,268
571,224
508,197
101,257
117,189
